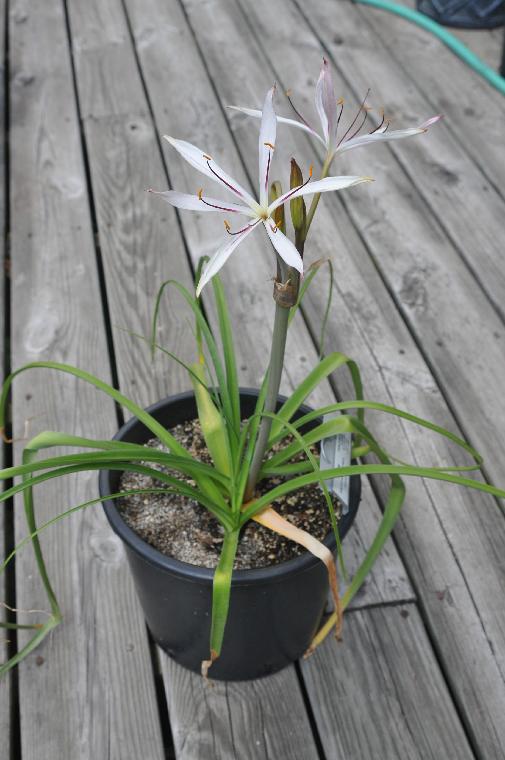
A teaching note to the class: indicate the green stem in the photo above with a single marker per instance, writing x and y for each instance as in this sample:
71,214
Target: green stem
276,364
274,381
315,199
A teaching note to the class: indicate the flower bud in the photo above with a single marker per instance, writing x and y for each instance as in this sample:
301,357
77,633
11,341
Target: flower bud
278,215
297,205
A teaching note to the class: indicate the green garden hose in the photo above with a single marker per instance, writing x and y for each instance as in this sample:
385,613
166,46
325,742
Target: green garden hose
446,37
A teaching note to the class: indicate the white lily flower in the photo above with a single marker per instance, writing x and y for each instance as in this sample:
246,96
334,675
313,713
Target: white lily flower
260,213
330,112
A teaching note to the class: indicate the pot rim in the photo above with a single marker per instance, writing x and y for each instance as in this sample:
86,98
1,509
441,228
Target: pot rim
197,573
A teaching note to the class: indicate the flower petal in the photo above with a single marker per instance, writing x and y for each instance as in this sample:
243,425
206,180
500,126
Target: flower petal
326,102
280,120
268,130
381,135
319,186
284,247
220,257
200,202
205,164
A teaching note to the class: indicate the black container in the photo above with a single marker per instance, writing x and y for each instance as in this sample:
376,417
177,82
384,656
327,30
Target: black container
274,611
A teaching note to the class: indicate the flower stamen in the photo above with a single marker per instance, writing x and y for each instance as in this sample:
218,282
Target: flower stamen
295,189
383,119
297,112
351,126
221,179
214,205
244,229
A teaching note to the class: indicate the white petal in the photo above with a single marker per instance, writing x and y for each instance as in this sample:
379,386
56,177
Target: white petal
319,186
284,247
200,203
221,256
431,121
205,164
280,120
268,130
383,136
326,102
321,100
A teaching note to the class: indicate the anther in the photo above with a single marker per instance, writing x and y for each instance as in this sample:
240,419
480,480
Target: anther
200,193
227,226
207,158
269,145
311,169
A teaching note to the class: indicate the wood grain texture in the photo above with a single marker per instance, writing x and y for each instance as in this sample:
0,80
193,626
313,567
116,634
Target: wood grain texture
5,683
250,720
388,663
69,687
141,247
476,113
440,524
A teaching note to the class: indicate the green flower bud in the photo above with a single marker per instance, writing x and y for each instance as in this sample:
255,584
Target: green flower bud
297,206
278,215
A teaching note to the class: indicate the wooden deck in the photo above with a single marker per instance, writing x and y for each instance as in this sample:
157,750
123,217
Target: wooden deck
420,302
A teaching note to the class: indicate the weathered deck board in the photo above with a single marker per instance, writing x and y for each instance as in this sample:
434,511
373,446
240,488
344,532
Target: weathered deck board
69,687
473,108
395,371
250,720
387,650
5,683
140,247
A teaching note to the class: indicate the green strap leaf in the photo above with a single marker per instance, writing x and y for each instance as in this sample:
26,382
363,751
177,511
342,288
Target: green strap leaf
55,617
328,365
228,352
203,327
221,587
343,405
144,417
368,469
223,515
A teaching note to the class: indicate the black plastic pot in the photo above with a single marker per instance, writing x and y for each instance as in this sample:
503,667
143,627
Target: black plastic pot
274,611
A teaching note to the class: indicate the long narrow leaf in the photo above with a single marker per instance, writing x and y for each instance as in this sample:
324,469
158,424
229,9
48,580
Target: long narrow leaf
343,405
193,468
367,469
144,417
55,617
328,365
221,588
209,340
213,426
223,515
304,443
228,353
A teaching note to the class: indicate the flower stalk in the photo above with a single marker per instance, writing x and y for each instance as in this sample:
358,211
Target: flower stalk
280,330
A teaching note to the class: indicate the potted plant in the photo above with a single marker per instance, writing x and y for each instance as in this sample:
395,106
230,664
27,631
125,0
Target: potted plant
254,449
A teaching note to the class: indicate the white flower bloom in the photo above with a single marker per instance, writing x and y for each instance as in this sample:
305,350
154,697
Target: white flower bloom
330,112
259,213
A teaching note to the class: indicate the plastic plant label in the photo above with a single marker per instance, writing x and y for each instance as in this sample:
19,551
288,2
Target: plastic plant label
336,452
